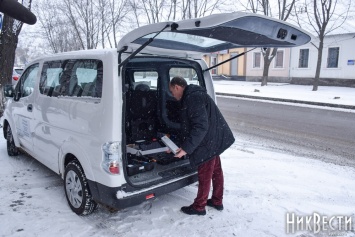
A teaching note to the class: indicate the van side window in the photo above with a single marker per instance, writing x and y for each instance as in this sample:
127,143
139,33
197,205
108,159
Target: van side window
27,81
86,78
50,77
76,78
64,79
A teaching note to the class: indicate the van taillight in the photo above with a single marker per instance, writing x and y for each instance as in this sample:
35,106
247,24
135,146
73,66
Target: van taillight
114,169
15,78
111,157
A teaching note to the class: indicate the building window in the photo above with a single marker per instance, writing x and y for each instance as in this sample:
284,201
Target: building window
333,57
303,60
279,59
257,60
212,63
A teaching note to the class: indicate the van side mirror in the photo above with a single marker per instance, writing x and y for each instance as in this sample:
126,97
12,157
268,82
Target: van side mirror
17,95
9,91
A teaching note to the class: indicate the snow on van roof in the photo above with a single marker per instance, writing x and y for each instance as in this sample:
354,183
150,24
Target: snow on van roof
76,54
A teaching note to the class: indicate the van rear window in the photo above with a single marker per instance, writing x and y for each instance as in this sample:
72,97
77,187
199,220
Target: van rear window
149,78
73,78
189,74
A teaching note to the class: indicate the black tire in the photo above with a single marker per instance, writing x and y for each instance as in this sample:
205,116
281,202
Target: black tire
77,191
12,150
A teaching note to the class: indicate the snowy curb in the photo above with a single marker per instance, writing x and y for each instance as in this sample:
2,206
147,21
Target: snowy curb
289,100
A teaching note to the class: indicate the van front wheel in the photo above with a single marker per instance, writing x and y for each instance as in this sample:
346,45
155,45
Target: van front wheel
12,150
77,190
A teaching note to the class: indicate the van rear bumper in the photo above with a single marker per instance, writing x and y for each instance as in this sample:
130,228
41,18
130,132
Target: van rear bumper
108,195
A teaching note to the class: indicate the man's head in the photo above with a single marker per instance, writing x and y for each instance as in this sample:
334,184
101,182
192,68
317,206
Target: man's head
177,86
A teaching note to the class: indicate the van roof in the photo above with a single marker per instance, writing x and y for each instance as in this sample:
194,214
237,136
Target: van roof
77,54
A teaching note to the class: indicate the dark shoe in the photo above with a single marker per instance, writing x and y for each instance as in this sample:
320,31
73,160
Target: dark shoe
210,204
192,211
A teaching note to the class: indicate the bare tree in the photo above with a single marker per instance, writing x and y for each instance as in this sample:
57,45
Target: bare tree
112,18
135,8
102,6
56,27
83,24
165,10
117,13
199,8
206,7
154,10
172,10
85,19
151,10
283,10
324,17
8,43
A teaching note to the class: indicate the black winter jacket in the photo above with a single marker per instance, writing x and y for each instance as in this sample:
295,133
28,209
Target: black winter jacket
205,131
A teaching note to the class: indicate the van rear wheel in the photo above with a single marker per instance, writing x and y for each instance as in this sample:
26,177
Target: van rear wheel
12,150
77,190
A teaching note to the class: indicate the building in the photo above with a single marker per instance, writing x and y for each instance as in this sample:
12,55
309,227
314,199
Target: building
338,61
234,69
278,70
293,65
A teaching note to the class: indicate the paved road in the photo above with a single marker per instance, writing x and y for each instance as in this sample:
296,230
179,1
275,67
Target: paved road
317,133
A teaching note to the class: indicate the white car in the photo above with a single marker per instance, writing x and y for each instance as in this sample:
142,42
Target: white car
16,73
97,117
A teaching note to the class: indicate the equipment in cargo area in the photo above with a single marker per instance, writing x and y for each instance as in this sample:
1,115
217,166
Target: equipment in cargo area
169,143
144,155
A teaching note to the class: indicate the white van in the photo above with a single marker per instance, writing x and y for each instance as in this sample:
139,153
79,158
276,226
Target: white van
96,117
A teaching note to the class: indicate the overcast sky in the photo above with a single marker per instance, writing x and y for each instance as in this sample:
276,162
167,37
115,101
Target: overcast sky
31,38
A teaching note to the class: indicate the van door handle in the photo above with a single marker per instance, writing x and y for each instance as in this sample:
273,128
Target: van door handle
29,108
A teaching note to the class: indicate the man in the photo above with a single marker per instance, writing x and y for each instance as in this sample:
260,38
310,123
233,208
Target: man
206,135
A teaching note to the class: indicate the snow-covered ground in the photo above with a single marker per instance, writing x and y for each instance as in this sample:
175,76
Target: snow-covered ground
325,94
262,185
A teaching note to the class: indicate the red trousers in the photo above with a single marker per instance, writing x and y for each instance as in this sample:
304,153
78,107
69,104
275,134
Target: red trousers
210,170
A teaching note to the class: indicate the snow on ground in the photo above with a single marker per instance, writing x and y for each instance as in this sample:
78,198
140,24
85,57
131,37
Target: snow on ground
261,186
325,94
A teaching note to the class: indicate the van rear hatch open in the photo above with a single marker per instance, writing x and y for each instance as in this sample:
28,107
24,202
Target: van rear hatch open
214,33
146,109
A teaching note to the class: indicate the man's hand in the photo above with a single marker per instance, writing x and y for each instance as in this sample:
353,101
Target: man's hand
180,153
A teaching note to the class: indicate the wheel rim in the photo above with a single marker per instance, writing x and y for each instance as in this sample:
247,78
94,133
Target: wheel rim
74,189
